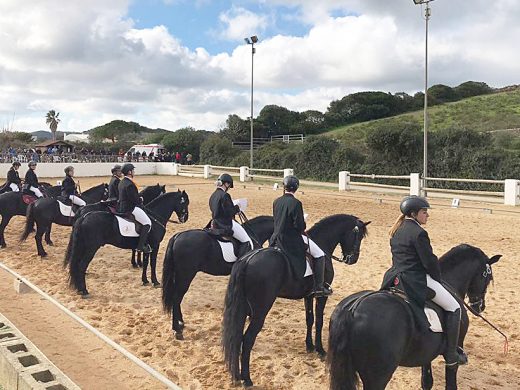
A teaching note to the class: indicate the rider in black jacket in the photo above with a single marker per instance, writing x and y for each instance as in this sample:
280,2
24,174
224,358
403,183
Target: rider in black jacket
113,187
130,202
69,188
415,269
289,235
13,179
223,212
30,185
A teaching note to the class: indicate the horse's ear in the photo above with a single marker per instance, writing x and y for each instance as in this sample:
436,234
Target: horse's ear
178,190
494,259
367,223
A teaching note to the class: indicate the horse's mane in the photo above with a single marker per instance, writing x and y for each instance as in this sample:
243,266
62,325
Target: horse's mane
449,259
335,219
95,187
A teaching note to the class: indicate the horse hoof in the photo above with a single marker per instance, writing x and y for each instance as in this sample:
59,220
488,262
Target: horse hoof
179,336
135,266
156,285
322,354
146,283
3,246
247,383
43,255
310,348
50,243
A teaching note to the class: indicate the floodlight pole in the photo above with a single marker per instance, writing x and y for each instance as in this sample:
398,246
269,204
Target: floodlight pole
251,41
427,14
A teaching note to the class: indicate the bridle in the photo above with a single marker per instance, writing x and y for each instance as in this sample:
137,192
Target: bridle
476,302
348,257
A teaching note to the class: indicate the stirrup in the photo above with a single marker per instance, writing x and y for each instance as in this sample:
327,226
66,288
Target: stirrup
322,292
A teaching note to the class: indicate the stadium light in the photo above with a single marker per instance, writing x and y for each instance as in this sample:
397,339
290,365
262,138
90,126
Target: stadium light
427,15
251,41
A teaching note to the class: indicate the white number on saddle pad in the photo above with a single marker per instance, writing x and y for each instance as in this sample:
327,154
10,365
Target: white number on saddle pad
242,203
65,210
126,228
433,319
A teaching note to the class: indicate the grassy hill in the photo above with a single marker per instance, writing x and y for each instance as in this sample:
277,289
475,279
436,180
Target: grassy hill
480,113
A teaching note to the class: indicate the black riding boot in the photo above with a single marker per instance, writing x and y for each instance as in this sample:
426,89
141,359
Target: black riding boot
243,248
143,240
320,290
454,355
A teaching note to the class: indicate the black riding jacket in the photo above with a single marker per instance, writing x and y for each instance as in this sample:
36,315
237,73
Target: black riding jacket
31,180
13,177
68,187
128,196
222,210
289,225
113,188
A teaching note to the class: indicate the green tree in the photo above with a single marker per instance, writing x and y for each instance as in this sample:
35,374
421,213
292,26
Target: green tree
52,119
217,150
236,129
472,88
442,93
116,129
186,140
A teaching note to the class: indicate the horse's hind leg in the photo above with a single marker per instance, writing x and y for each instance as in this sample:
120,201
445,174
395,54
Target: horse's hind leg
153,266
48,236
255,326
139,262
376,380
3,225
40,231
427,377
320,309
451,377
180,289
134,264
309,317
144,277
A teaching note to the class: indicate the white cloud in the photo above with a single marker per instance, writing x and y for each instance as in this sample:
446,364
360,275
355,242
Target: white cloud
238,23
93,64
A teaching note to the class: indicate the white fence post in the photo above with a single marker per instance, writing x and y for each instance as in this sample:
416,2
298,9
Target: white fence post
176,169
244,174
288,172
344,181
415,184
207,171
512,192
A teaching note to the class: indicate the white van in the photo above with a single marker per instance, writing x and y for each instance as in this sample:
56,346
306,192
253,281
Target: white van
150,148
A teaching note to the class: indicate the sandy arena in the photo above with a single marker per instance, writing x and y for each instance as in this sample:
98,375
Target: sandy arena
131,314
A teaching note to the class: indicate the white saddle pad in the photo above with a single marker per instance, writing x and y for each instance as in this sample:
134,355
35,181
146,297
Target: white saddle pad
433,318
66,210
227,252
308,270
126,228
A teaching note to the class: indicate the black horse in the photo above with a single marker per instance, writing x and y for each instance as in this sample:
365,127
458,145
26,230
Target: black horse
148,194
195,250
380,334
260,277
46,211
99,228
11,204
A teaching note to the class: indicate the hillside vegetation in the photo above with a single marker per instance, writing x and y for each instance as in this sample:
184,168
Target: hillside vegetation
480,113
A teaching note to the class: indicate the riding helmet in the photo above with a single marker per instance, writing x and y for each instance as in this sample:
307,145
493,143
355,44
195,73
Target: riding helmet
32,164
16,164
412,204
68,169
225,178
127,168
116,168
291,183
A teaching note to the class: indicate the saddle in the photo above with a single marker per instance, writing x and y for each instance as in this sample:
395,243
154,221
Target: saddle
126,223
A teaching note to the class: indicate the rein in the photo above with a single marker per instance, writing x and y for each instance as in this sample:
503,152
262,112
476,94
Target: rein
475,313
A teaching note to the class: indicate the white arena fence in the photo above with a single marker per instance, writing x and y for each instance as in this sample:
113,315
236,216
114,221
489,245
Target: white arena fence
413,184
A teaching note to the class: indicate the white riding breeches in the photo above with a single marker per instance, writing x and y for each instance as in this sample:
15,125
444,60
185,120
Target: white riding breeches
442,297
314,249
240,234
141,217
77,200
36,191
14,187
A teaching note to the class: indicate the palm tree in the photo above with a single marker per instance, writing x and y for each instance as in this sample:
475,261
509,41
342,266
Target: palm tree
52,120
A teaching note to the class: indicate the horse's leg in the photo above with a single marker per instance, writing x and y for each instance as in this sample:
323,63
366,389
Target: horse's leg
144,278
3,225
40,231
181,286
132,261
451,377
84,263
153,266
139,262
320,308
427,377
48,236
309,317
255,326
376,380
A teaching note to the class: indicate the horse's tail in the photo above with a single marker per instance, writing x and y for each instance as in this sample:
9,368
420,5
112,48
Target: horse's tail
29,222
74,254
168,277
235,313
343,376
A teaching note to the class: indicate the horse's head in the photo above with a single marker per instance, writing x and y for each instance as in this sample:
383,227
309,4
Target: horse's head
479,283
351,241
182,206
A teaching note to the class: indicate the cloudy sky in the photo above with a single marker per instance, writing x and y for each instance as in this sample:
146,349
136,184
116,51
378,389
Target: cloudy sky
176,63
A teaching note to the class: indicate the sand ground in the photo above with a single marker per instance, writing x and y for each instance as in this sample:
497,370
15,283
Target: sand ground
131,314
